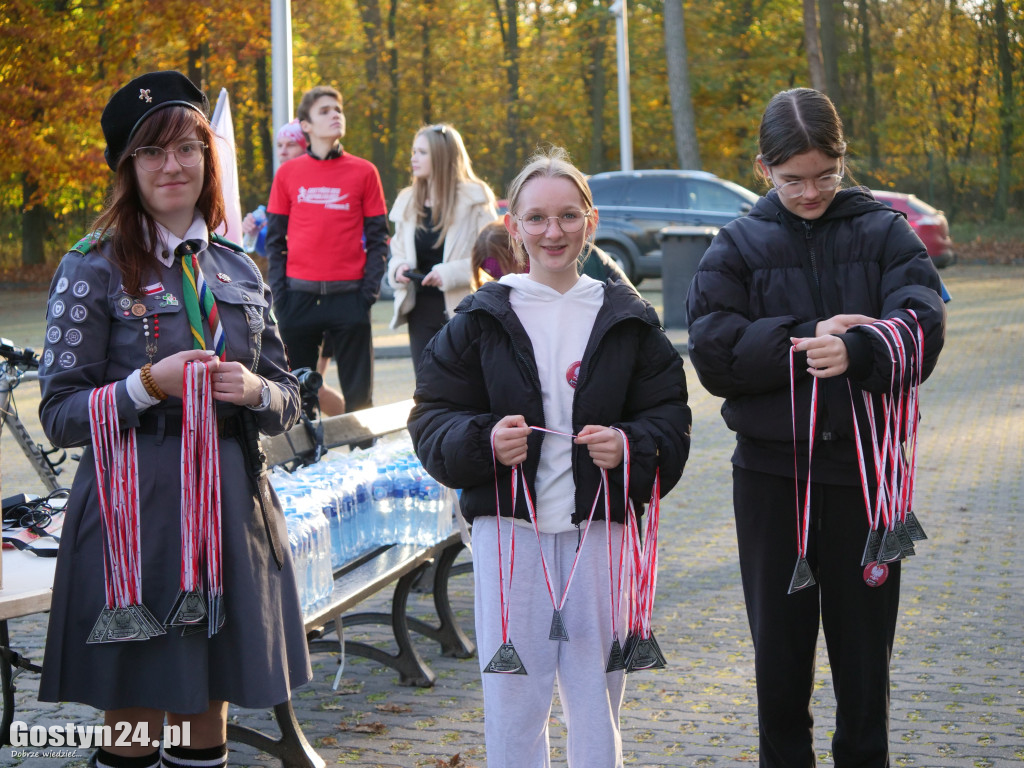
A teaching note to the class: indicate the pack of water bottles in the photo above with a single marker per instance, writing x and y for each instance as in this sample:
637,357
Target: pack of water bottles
349,503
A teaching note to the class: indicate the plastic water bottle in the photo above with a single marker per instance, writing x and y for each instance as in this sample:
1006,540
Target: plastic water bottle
431,506
383,507
249,238
349,538
404,493
365,512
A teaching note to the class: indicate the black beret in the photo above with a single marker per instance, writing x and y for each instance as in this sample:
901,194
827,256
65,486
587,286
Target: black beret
138,100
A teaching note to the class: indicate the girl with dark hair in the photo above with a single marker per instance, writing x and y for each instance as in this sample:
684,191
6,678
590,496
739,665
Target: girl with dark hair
551,351
798,282
437,220
141,626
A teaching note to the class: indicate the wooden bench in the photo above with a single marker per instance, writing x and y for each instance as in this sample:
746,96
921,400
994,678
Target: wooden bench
354,582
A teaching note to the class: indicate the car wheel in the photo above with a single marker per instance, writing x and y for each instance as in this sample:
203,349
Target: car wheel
619,256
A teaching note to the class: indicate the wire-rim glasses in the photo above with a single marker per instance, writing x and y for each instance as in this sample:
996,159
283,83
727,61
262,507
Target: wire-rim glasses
189,154
569,222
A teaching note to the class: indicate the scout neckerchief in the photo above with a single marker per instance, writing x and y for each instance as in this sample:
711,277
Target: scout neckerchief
200,508
198,299
115,459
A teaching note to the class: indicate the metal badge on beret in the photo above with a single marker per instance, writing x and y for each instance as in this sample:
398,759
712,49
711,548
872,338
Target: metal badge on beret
143,96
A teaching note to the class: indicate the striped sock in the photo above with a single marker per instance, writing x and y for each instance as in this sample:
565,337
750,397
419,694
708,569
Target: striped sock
186,757
103,759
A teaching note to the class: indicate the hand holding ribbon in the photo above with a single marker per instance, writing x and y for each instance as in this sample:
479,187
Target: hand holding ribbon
508,440
604,444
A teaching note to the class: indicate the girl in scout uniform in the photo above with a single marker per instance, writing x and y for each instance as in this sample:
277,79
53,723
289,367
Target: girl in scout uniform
129,307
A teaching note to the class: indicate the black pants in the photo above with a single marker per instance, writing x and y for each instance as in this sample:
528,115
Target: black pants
425,320
304,318
859,621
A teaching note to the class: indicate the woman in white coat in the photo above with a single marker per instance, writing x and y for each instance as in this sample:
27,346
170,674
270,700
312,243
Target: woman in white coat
437,220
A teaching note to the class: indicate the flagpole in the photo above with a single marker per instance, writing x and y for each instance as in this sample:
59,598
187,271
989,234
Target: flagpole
281,64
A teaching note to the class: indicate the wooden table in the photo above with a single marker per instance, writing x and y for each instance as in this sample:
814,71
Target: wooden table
27,587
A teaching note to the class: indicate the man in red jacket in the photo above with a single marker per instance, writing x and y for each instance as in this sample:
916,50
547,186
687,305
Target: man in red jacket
327,248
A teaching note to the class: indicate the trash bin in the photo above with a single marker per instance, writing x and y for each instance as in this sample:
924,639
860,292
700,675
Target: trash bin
681,251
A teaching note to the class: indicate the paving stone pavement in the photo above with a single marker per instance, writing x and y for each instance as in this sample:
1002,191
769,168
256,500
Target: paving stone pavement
958,665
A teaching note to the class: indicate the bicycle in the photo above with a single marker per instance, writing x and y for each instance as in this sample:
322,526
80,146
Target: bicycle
16,364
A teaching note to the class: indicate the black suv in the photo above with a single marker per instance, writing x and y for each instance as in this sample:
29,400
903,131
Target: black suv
635,205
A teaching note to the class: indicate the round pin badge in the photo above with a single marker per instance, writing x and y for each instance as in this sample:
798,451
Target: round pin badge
572,373
72,337
53,334
48,358
138,309
78,313
67,359
62,285
125,302
875,574
80,289
57,308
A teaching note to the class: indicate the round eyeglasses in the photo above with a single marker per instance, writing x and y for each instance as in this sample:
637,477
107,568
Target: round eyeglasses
188,154
568,222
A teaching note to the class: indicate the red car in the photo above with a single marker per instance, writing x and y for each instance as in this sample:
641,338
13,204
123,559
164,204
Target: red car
929,223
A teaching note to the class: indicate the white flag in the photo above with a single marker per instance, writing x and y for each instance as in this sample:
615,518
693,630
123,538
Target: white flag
224,131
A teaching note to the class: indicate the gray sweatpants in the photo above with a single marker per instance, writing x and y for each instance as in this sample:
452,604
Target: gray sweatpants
517,707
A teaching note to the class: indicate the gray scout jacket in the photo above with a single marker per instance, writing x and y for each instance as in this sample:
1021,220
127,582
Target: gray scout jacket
94,337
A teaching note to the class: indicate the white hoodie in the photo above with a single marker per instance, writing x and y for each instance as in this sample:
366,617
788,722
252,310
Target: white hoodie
559,326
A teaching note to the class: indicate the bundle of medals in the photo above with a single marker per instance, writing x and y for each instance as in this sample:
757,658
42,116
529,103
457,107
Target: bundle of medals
892,421
200,509
124,616
640,650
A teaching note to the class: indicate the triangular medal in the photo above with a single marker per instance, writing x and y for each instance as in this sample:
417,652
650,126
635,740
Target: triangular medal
99,629
557,631
903,536
506,661
914,527
124,625
802,576
150,625
890,548
871,547
645,654
189,609
615,659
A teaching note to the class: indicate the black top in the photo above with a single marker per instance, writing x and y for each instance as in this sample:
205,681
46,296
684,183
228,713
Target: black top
428,251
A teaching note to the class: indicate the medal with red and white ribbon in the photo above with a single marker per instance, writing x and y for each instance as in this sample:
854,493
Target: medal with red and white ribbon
506,660
557,631
641,650
115,459
616,659
802,575
200,509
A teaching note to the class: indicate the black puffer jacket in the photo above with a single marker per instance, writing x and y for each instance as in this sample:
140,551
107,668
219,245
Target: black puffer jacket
480,368
770,276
